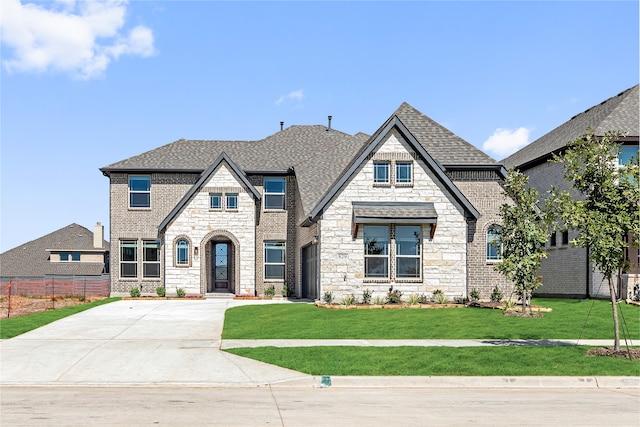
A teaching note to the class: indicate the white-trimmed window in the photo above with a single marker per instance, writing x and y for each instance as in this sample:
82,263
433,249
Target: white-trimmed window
151,258
408,238
182,252
139,191
231,201
274,193
381,173
215,201
404,172
376,251
128,258
494,244
274,260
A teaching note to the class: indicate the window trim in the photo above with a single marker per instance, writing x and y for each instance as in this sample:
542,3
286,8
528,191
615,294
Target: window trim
176,248
133,262
406,163
267,194
212,196
132,192
498,256
146,262
376,178
226,201
283,263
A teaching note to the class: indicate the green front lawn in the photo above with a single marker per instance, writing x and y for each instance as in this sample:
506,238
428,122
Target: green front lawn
570,319
442,361
14,326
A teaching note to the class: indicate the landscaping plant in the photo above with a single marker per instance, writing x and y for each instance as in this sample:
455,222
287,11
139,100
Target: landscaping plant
366,296
523,235
134,292
602,205
161,291
180,293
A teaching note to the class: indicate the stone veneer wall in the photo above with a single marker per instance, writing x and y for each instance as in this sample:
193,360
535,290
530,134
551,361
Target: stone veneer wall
487,198
200,225
166,191
443,258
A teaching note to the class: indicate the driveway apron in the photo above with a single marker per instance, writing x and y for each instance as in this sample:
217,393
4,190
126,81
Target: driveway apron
135,342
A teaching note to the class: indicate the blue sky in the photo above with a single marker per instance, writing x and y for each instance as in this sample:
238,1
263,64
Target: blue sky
84,85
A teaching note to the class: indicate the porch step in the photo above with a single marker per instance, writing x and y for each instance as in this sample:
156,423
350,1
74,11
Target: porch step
219,296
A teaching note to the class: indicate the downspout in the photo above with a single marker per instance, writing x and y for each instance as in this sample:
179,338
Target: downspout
318,264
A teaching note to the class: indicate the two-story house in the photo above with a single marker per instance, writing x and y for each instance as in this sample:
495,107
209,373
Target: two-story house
312,209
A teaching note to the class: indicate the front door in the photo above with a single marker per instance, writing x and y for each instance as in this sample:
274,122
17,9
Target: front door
221,271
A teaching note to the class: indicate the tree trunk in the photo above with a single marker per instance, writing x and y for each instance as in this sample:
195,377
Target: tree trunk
524,301
614,305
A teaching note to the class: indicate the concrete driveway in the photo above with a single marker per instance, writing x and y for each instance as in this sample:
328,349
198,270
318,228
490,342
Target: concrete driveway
136,342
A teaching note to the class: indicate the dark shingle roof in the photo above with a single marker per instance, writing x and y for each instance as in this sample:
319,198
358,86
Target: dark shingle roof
32,258
442,144
317,156
618,113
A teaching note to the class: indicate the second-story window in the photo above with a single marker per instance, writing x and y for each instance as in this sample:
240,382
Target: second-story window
215,201
381,172
404,172
232,201
274,193
139,191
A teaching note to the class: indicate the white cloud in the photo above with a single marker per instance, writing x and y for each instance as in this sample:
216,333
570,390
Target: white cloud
504,142
295,95
80,38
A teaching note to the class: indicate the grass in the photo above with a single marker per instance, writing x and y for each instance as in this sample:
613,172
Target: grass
14,326
570,319
443,361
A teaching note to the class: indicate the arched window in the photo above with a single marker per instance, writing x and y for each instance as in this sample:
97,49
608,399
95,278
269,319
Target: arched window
182,252
494,245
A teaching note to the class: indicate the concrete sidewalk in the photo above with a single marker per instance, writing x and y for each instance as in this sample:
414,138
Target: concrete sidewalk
178,344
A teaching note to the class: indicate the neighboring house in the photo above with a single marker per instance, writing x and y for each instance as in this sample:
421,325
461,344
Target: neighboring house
312,210
567,270
72,251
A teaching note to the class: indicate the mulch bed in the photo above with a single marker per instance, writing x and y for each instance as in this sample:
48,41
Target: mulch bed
623,353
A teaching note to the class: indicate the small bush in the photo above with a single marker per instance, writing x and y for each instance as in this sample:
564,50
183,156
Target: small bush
180,293
413,299
394,296
327,298
474,295
134,292
161,291
270,291
285,291
439,297
423,299
348,300
378,300
496,294
366,296
509,303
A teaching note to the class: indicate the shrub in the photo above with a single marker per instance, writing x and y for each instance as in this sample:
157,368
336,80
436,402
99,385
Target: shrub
509,303
180,293
378,300
496,294
474,295
394,296
134,292
348,300
413,299
327,298
270,291
366,296
439,297
161,291
423,299
285,291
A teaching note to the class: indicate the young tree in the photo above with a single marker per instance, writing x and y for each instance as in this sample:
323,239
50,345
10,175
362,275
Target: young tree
603,206
523,235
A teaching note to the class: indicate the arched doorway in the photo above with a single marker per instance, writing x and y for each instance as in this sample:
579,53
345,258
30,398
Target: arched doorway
221,264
